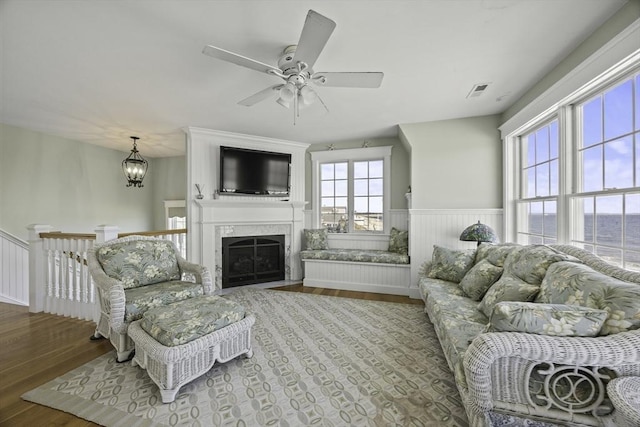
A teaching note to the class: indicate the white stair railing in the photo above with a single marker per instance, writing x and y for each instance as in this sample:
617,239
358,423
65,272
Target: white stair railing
14,269
59,279
69,289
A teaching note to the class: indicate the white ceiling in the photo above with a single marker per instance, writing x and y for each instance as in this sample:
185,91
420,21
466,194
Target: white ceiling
99,71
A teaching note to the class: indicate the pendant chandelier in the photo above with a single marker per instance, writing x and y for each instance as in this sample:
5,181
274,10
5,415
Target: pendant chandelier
134,166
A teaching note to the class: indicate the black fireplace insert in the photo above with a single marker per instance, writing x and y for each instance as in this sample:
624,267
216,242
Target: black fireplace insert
252,259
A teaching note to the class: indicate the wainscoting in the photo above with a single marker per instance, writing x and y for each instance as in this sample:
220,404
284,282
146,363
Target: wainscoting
443,227
14,269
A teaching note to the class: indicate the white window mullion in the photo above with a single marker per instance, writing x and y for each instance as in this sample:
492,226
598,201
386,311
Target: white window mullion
566,179
350,201
386,192
315,194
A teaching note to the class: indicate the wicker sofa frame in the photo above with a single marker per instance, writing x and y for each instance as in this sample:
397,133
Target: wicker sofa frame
499,366
111,295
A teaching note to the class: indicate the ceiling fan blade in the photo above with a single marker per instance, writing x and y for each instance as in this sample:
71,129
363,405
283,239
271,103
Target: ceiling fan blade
260,96
314,37
234,58
365,79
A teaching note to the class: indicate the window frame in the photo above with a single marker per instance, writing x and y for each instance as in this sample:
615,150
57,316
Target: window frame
523,199
351,155
568,113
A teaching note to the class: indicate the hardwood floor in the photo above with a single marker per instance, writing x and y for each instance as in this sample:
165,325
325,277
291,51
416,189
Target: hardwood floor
36,348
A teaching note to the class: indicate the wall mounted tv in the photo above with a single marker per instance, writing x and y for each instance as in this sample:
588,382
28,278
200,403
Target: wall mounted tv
244,171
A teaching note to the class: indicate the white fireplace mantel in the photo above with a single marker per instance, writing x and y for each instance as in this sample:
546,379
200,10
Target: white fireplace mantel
221,215
230,210
235,217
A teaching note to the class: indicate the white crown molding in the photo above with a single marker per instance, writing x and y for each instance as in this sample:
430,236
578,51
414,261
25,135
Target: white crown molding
243,138
621,50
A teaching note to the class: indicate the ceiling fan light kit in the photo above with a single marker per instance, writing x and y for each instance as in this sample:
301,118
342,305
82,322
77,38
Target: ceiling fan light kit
295,68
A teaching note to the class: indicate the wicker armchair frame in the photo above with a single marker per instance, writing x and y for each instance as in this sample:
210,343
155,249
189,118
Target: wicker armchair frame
111,295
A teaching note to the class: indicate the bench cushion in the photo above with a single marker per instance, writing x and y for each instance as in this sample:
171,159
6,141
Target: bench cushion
356,255
140,262
184,321
139,300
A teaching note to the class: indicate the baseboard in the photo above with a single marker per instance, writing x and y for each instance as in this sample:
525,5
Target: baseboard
414,293
13,301
355,286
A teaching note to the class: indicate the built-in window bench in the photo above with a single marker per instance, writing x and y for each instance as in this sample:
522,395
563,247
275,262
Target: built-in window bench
369,268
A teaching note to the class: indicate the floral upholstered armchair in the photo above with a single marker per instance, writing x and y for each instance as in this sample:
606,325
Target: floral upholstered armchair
135,273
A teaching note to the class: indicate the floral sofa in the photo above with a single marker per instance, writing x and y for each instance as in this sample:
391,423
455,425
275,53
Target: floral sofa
135,273
533,333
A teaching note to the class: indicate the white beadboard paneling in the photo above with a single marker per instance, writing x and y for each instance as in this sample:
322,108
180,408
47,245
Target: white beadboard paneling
443,227
14,270
358,276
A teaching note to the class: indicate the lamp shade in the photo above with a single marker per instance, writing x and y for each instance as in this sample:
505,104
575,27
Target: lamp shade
479,233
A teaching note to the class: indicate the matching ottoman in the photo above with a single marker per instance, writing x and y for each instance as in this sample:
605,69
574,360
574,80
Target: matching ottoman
179,342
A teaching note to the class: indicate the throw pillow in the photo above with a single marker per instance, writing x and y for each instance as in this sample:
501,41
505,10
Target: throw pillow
530,263
450,264
495,253
479,279
139,262
508,288
580,285
316,238
547,319
399,241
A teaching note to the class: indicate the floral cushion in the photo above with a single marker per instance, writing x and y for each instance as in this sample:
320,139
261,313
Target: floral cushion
456,320
496,254
428,285
140,262
578,284
507,289
479,279
185,321
530,263
399,241
524,269
316,239
547,319
140,300
356,255
450,264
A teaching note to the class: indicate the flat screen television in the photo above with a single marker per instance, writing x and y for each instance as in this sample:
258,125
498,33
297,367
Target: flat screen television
244,171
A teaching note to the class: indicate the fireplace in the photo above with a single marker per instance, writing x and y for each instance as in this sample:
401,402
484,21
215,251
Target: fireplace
249,260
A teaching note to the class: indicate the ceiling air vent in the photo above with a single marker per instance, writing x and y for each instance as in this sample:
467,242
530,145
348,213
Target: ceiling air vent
478,90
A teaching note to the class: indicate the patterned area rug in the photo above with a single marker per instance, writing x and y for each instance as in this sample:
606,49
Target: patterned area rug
318,360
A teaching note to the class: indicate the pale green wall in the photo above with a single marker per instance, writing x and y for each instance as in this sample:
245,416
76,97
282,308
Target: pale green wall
455,164
399,168
629,13
169,183
70,185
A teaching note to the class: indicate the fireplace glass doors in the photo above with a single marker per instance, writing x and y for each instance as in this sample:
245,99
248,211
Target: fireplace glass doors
252,259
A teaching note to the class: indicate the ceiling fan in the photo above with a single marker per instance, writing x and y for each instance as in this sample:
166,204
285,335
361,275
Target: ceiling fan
295,68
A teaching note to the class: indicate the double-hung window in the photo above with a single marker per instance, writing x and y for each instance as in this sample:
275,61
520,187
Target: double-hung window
537,206
606,200
574,173
351,189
